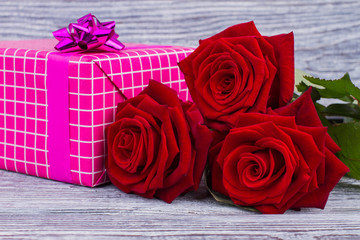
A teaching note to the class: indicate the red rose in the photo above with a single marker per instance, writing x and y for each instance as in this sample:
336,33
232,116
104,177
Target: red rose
279,160
157,145
238,70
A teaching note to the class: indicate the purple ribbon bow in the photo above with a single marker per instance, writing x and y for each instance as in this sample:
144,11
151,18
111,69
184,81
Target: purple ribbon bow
88,33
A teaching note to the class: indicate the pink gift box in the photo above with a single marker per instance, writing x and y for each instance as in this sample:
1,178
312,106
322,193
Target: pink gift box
54,107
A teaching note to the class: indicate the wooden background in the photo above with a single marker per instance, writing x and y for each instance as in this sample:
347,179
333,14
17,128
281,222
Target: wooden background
327,32
327,44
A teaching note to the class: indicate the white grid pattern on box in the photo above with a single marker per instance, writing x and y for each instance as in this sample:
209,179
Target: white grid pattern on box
91,110
92,123
25,147
86,157
23,57
23,102
4,77
23,87
23,117
24,132
122,88
84,141
142,71
103,110
21,72
127,56
131,71
15,116
179,75
25,96
167,54
123,73
90,126
168,57
158,56
87,173
78,74
26,162
46,114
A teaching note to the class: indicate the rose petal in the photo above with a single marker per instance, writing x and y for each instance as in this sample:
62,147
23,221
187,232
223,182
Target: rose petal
184,163
243,29
335,170
283,86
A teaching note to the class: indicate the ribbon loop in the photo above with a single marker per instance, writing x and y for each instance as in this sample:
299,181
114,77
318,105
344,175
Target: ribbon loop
88,33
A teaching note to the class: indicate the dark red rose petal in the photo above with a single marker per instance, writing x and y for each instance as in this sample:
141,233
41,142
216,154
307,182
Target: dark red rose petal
335,170
283,87
243,29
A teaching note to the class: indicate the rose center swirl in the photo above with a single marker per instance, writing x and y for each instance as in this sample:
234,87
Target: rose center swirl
228,79
258,169
129,143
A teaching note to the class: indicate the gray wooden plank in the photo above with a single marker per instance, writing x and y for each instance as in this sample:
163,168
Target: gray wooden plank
327,44
32,207
327,32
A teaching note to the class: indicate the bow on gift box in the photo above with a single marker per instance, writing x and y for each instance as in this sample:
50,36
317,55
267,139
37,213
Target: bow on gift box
88,33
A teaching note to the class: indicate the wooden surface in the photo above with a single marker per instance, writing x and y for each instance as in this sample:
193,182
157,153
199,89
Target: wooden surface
32,207
327,32
327,44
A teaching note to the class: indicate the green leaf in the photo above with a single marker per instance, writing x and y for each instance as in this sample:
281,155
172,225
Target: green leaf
295,96
300,82
347,136
302,87
341,88
345,110
315,95
299,77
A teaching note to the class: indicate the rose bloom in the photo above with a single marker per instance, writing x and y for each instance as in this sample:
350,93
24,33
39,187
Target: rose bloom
157,145
276,161
239,70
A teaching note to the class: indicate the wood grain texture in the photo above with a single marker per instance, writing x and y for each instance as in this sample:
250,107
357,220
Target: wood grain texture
327,32
327,44
31,207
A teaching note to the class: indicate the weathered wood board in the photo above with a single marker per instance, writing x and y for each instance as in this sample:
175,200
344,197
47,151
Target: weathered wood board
35,208
327,44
